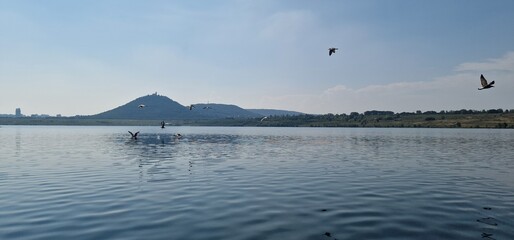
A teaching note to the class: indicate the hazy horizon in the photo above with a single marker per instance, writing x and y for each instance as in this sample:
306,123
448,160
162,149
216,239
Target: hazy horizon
251,109
83,58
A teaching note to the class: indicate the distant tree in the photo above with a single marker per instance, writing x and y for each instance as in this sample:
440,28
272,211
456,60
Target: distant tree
405,113
464,111
375,112
495,110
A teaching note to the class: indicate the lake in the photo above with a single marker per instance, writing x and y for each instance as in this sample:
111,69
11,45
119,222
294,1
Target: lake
77,182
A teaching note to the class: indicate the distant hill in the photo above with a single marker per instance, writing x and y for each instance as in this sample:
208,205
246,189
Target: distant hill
213,110
274,112
157,107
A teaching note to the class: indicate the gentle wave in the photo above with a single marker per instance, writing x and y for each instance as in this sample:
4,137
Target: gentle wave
255,183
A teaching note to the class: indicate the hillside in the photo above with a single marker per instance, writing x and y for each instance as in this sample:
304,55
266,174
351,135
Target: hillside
213,110
157,107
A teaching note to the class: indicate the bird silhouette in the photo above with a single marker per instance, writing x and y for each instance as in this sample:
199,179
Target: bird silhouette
141,106
484,83
331,51
191,107
134,135
162,124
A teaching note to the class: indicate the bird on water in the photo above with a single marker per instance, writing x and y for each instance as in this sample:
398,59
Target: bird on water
134,135
332,51
484,83
141,106
162,124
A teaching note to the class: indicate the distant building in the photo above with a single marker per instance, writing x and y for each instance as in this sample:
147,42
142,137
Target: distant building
18,112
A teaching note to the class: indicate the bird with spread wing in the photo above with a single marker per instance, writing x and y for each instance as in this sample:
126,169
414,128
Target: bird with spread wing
484,83
332,51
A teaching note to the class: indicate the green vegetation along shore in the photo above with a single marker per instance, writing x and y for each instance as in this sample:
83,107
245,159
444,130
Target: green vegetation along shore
495,118
399,120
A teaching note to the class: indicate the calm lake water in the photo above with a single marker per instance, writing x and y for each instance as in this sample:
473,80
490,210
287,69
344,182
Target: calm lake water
68,182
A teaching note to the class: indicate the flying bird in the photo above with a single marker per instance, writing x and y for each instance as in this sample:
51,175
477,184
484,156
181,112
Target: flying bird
141,106
262,119
331,51
484,83
134,135
162,124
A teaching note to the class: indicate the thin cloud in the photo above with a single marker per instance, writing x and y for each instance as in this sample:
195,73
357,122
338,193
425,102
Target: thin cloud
455,91
505,63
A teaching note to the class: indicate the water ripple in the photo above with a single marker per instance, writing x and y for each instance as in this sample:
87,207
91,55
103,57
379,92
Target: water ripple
255,183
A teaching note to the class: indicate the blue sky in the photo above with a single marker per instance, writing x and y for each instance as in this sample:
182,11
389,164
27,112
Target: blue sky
86,57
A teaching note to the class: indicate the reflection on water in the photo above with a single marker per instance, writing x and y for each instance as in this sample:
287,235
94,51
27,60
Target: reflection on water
255,183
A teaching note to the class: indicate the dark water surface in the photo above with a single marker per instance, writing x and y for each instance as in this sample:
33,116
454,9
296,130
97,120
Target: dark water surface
255,183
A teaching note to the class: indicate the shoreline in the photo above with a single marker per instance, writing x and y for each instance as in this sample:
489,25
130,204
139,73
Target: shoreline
438,120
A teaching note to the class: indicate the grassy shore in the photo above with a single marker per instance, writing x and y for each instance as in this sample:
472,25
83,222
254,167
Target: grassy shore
409,120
